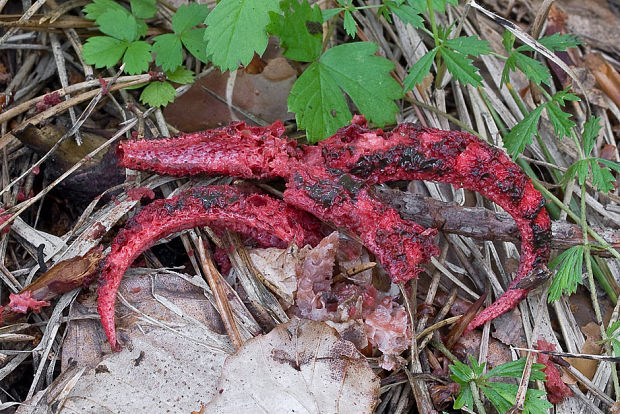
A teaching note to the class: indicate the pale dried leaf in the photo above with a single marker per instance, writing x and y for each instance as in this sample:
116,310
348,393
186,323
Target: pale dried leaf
302,367
278,268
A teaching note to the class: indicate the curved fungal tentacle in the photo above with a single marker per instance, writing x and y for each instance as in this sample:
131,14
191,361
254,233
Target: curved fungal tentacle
409,152
238,150
266,219
340,199
412,152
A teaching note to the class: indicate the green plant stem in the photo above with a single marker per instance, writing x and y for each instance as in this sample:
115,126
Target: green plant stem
496,118
476,396
517,99
442,348
431,14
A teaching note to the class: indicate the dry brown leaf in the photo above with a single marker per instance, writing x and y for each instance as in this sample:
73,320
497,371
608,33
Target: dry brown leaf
592,347
278,268
160,369
301,366
85,342
263,95
606,76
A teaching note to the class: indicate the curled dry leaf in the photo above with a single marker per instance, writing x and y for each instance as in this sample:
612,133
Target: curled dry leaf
301,366
606,76
278,268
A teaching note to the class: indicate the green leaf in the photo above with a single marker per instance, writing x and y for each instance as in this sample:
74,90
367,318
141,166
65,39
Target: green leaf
535,403
158,94
612,329
464,399
143,9
514,369
180,75
420,69
559,42
602,178
590,132
501,395
562,124
407,14
349,24
318,102
615,344
461,67
522,133
137,57
564,95
194,42
188,16
470,45
533,69
569,273
98,7
299,30
461,373
103,51
168,50
329,13
118,24
508,40
476,367
142,28
236,30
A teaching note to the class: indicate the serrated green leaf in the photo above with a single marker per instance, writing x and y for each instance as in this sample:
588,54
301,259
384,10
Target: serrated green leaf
476,367
168,50
534,402
514,369
602,178
329,13
349,24
236,29
188,16
461,373
137,57
319,106
143,9
569,273
461,67
158,94
142,28
95,9
522,133
559,42
470,45
501,395
581,168
533,69
508,40
180,75
509,66
194,42
464,399
118,24
420,69
299,30
407,14
564,95
317,100
590,132
366,78
562,124
103,51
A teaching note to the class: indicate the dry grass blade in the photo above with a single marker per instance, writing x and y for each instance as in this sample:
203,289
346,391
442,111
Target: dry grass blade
219,292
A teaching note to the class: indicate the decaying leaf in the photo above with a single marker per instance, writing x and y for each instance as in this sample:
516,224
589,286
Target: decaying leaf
278,268
301,366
